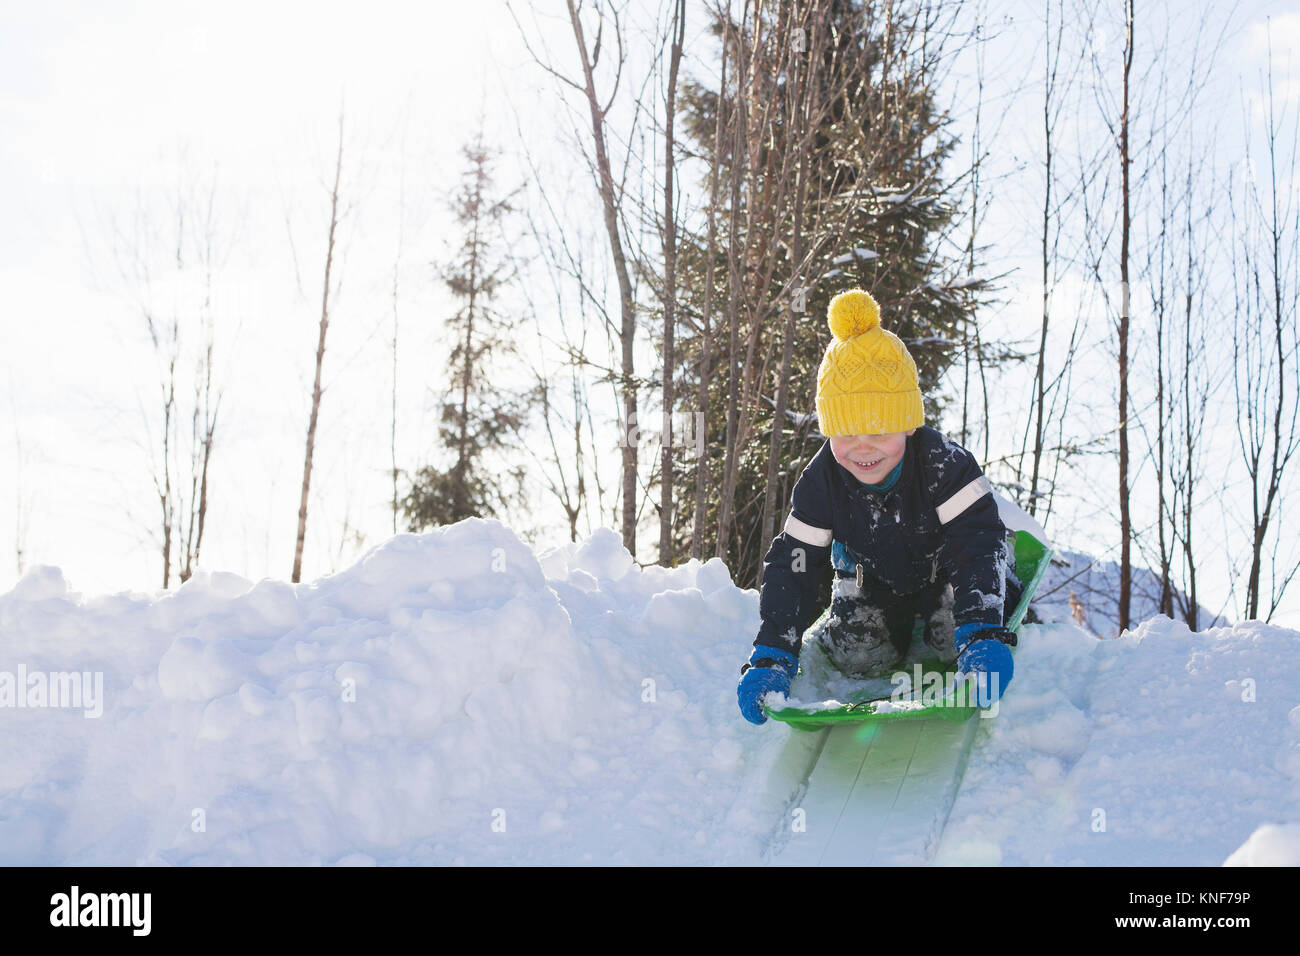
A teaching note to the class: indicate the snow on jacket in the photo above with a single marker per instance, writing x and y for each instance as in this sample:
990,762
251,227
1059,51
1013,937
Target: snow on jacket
938,518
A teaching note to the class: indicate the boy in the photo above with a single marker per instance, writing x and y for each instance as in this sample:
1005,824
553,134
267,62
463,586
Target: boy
906,517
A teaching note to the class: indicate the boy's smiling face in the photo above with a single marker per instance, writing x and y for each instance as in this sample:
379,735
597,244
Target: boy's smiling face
870,458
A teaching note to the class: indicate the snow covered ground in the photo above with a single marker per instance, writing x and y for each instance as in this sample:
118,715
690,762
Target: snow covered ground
1161,747
455,698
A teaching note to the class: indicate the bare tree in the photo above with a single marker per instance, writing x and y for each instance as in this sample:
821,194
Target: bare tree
1118,119
802,128
167,348
678,33
1158,249
610,197
1174,291
1198,383
568,469
698,526
395,472
739,128
170,270
1125,519
320,360
969,333
564,472
203,428
1266,367
1057,93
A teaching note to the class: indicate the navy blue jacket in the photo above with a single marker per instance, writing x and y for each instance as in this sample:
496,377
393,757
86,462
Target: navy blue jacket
939,518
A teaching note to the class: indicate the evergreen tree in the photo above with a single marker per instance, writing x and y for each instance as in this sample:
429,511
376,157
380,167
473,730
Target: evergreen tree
875,212
480,413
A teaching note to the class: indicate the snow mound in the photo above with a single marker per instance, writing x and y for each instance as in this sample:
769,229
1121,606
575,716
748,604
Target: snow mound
454,698
1270,845
450,698
1163,747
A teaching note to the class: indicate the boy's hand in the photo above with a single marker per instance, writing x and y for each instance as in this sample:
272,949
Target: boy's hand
769,669
986,649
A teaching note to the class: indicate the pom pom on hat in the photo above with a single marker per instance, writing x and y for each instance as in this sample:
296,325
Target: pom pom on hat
851,313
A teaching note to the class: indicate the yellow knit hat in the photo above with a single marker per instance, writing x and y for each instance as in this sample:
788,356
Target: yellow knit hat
867,384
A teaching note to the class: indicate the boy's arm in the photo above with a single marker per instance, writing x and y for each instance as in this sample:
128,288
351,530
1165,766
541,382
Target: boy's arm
973,552
794,564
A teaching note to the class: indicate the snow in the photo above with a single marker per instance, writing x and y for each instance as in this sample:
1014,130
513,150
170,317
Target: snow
861,252
1270,845
456,698
1016,519
1163,747
391,713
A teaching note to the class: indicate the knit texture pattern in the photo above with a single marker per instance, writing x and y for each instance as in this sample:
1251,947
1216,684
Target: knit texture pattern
867,383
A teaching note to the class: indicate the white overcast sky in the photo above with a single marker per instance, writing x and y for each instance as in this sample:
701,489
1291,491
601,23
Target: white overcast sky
109,108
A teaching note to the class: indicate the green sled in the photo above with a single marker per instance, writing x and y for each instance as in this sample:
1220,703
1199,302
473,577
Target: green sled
940,694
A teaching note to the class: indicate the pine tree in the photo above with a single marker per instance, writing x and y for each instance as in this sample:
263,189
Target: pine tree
876,208
480,413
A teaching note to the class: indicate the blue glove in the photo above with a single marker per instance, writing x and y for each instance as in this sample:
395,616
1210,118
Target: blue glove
986,649
769,669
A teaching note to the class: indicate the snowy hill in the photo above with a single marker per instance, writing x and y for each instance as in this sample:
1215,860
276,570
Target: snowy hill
455,698
1163,747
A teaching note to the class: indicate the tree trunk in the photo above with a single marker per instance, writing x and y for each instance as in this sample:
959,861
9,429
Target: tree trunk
320,359
460,492
666,556
798,139
1125,521
168,505
1040,373
702,468
627,331
738,141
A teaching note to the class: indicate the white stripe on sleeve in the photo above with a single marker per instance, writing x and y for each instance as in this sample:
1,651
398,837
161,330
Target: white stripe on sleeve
818,537
964,499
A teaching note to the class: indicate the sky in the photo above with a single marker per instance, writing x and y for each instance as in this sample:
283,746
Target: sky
113,111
